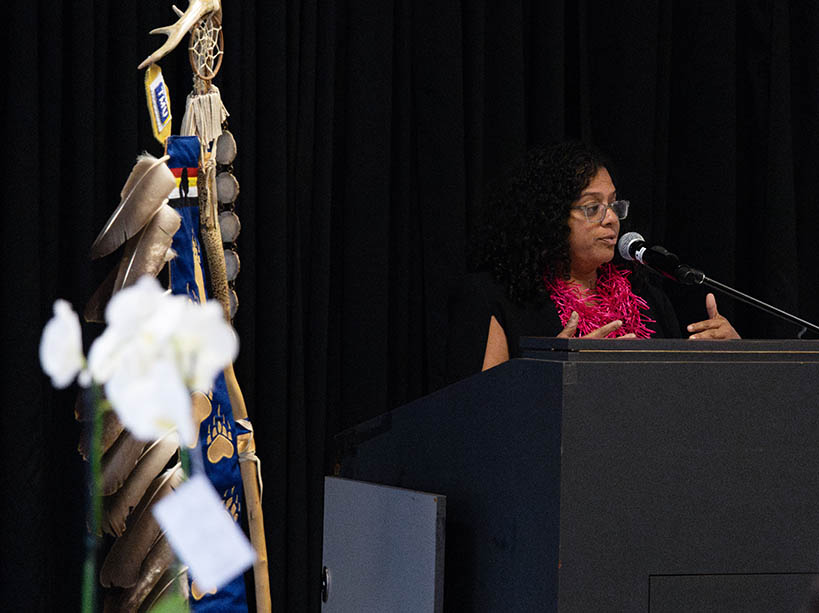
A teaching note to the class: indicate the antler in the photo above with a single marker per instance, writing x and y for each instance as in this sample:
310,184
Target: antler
195,11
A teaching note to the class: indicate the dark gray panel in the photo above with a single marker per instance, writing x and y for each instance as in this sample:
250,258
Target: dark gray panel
669,350
731,593
685,468
383,548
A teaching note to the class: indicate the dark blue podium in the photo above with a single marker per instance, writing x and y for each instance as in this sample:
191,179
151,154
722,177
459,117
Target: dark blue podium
661,475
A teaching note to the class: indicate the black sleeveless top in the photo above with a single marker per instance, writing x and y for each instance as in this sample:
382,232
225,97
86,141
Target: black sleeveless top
477,297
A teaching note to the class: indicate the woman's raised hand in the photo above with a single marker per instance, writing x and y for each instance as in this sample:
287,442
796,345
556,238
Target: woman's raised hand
715,327
602,332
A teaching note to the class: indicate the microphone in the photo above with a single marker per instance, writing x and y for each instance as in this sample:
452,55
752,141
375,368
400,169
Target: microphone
633,247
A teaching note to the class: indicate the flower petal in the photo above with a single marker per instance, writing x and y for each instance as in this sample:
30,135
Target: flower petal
61,345
151,405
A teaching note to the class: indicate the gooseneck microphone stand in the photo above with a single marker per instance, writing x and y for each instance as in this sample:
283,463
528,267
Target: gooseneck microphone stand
691,276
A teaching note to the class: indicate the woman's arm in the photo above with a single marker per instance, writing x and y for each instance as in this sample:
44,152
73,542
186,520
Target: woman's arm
497,348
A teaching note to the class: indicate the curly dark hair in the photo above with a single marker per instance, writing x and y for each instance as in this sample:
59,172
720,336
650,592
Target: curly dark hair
526,233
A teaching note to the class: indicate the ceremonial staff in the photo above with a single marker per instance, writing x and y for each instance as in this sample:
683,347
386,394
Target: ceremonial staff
138,566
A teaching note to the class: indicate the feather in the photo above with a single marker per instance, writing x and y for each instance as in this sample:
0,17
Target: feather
149,495
111,429
173,575
110,603
122,564
145,191
154,567
145,253
120,460
152,461
94,311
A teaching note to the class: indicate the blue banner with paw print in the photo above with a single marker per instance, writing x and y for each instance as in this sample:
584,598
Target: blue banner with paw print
217,428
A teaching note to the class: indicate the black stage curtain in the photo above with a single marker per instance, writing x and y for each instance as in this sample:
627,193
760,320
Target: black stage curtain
367,132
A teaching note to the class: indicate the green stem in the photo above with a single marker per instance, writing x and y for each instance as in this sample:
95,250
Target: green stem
92,541
185,459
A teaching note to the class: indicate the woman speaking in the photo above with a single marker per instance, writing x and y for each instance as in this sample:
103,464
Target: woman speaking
545,267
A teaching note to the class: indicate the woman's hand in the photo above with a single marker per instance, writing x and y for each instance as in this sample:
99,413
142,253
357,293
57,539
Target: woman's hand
715,327
602,332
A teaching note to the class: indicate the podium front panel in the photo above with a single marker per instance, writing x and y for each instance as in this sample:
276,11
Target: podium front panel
491,444
705,468
578,484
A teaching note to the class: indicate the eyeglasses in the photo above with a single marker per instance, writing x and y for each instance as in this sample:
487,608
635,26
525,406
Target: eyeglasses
596,211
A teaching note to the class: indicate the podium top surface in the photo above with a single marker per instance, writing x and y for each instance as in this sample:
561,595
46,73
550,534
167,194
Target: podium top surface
674,350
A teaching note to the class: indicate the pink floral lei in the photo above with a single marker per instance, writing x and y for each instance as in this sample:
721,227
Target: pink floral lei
612,299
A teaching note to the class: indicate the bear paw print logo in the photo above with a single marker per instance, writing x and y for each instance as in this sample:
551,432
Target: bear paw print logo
220,438
198,593
202,408
232,504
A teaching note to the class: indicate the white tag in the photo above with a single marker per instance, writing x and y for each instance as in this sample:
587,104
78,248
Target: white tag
203,534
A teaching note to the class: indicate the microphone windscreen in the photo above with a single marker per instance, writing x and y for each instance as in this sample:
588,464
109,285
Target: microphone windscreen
625,243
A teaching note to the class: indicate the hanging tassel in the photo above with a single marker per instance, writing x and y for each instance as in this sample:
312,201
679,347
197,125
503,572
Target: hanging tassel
204,115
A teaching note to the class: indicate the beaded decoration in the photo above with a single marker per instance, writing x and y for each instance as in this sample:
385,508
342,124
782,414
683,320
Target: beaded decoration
612,299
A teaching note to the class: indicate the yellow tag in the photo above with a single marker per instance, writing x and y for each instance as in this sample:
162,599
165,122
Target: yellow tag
159,103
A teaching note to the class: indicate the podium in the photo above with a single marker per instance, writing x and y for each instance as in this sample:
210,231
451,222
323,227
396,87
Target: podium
660,475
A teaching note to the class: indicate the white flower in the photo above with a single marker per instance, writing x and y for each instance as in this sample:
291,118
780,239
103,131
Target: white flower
140,319
61,346
152,404
149,327
205,344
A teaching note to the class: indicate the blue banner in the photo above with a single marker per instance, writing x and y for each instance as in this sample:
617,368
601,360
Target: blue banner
217,429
